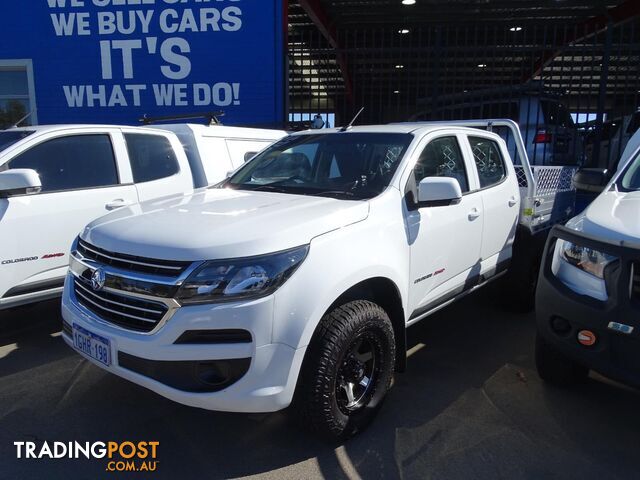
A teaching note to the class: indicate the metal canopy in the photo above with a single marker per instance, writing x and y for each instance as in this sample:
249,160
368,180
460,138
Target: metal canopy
399,59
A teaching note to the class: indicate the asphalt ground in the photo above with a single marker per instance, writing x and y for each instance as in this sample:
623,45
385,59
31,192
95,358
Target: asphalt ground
469,406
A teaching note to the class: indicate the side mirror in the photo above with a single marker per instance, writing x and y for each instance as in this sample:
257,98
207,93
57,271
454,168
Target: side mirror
20,181
439,192
591,179
249,155
230,173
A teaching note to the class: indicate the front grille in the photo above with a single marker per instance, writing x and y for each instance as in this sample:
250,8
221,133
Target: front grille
130,262
126,312
635,281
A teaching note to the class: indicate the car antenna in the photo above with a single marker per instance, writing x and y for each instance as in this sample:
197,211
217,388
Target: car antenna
347,127
15,125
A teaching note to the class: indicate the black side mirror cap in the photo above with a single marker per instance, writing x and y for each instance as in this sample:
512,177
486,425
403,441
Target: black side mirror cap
591,179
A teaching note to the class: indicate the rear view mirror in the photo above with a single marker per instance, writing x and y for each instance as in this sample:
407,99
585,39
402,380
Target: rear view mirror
439,192
20,181
591,179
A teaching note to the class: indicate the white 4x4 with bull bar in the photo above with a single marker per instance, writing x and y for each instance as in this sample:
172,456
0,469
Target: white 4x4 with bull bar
294,280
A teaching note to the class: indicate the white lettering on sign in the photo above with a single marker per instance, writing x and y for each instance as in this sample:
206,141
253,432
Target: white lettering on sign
158,33
164,95
70,24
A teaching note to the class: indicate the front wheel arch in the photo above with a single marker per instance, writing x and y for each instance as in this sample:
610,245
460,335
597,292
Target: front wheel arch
383,292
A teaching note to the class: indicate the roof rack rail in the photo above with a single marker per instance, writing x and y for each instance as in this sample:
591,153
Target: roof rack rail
213,118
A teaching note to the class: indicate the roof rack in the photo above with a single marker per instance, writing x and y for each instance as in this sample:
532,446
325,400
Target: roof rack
211,117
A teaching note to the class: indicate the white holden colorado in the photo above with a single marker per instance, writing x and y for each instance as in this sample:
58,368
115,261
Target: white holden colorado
56,179
295,279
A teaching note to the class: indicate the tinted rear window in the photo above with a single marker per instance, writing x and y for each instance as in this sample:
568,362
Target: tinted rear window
556,114
151,156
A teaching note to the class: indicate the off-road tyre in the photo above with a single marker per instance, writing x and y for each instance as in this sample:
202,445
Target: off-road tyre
333,362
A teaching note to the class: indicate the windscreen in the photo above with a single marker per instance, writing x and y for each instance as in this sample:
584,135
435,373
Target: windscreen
342,164
9,137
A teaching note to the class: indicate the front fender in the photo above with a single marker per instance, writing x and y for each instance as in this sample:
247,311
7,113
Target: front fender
336,262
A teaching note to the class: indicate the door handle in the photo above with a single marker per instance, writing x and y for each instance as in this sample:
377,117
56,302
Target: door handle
115,204
512,201
473,214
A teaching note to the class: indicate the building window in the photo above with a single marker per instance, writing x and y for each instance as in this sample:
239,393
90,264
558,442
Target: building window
17,98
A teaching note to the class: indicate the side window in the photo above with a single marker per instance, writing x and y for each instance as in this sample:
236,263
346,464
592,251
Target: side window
442,158
634,124
489,161
151,156
71,163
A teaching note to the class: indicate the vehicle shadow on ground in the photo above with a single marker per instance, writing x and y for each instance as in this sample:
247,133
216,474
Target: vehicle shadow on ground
458,358
29,337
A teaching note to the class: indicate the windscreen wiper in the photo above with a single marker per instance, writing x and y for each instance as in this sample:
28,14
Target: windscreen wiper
336,193
270,188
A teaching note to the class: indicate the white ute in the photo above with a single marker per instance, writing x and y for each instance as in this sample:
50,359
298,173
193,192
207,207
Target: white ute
588,301
56,179
294,280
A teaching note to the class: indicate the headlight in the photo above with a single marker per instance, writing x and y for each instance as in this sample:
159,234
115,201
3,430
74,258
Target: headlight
586,259
241,278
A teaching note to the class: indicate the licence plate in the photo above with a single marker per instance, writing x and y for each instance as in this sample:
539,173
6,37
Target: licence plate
92,345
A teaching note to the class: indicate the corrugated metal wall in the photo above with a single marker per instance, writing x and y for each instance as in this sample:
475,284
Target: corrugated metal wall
573,87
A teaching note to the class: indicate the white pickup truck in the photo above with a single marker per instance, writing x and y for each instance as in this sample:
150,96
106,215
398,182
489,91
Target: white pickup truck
588,301
294,281
56,179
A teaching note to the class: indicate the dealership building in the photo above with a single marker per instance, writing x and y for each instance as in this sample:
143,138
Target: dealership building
114,61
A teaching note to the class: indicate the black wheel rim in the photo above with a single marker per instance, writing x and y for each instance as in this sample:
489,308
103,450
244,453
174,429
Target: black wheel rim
357,374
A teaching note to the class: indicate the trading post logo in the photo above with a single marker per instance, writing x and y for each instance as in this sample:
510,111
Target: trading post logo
119,456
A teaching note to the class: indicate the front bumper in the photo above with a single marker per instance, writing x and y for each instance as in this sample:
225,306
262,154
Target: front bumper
261,375
562,313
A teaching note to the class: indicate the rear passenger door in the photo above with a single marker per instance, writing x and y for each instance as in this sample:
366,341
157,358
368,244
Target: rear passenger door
500,198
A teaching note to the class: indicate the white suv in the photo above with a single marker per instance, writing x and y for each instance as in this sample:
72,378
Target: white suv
295,279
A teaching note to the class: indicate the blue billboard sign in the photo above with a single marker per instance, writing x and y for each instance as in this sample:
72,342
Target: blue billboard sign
113,61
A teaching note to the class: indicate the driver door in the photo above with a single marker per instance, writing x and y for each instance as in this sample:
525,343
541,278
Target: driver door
445,240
